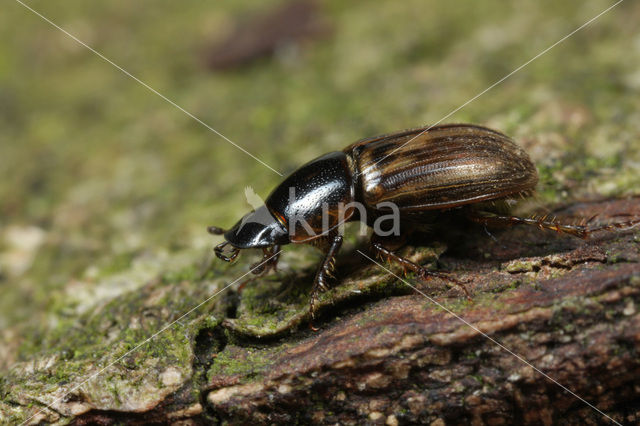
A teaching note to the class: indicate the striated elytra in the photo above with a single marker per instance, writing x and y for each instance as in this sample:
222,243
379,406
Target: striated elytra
411,177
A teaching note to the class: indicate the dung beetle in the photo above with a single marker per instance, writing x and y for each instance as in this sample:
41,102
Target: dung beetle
411,176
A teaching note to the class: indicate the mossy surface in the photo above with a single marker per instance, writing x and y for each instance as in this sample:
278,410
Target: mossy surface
106,189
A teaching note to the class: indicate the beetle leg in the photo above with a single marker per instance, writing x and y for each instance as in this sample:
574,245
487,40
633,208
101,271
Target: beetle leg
421,272
583,230
325,270
270,256
274,260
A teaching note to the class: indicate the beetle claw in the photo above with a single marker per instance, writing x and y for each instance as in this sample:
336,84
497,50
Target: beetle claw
312,311
449,278
218,251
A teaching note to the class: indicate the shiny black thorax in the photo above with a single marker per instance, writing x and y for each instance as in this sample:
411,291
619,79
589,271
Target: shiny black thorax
309,204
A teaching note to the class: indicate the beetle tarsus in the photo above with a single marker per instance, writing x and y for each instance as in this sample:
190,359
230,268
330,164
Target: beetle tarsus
324,271
425,274
269,261
583,230
218,250
243,284
420,271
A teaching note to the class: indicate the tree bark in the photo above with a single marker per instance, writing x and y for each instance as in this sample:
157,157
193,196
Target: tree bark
552,336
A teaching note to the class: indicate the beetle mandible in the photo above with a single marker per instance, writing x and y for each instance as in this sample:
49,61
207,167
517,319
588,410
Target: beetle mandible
422,171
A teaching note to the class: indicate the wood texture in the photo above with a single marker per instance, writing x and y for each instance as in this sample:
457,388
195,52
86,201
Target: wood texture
570,308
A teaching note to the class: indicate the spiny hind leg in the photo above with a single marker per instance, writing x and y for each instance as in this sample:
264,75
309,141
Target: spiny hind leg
581,230
331,244
381,248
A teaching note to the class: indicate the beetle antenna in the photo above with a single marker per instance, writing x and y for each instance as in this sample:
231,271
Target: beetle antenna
214,230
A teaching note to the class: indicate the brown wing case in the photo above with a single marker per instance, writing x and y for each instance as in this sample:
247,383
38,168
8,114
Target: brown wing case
446,166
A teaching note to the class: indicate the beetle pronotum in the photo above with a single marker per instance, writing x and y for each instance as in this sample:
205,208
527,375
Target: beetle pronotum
421,171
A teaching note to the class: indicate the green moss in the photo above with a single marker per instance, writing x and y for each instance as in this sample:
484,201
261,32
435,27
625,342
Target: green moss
190,273
123,185
119,262
615,256
251,363
523,265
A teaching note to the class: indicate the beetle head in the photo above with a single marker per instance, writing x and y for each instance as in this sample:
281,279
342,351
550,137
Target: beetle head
256,229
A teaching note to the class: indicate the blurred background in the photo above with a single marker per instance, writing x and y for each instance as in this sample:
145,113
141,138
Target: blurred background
104,185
